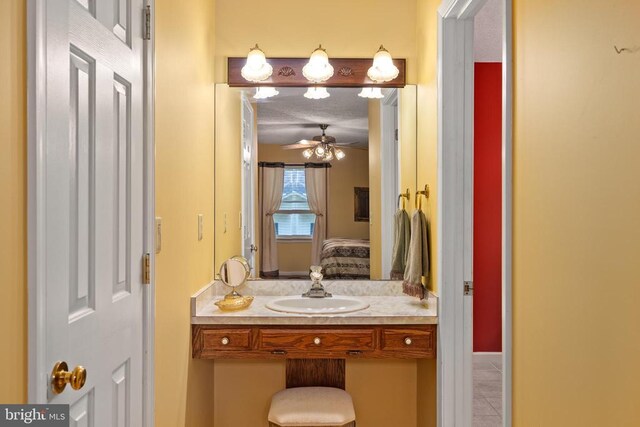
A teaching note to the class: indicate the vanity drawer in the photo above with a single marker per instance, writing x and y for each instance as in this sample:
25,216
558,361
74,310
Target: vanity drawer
408,340
226,339
317,340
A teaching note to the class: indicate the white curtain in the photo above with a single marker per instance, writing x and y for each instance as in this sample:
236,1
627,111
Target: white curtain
272,182
316,183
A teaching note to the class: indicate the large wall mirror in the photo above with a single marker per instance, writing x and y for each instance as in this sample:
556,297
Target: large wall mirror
301,182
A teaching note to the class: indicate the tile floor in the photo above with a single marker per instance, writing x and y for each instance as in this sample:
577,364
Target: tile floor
487,390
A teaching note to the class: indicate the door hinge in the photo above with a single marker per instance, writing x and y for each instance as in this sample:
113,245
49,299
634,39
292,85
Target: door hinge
146,269
468,288
147,23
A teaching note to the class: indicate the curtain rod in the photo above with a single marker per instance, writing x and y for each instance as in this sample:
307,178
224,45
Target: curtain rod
282,164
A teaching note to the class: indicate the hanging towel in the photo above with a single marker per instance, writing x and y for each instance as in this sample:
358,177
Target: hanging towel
418,260
401,238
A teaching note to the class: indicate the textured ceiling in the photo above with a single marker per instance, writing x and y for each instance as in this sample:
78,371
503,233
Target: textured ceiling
289,117
488,32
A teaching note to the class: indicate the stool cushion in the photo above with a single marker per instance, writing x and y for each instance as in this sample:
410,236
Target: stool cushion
317,406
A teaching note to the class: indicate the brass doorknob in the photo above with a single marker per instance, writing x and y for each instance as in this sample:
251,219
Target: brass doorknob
60,377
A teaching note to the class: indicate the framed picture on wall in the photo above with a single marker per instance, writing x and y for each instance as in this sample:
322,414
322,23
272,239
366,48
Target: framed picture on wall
361,204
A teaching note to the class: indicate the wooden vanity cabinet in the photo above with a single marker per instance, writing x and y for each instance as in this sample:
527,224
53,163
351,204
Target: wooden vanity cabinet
314,342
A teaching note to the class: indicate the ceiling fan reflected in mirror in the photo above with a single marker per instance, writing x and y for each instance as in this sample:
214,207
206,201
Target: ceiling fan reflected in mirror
324,147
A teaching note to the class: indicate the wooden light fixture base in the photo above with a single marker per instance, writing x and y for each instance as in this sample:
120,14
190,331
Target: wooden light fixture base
287,72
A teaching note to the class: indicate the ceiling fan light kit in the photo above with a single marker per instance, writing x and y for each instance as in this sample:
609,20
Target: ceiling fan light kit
325,148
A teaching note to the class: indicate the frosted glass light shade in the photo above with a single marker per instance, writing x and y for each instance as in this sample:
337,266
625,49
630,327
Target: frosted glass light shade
316,93
257,69
307,153
265,92
340,154
318,69
328,156
383,69
320,151
371,92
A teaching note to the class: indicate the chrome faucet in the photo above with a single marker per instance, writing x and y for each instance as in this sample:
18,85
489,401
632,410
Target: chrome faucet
316,290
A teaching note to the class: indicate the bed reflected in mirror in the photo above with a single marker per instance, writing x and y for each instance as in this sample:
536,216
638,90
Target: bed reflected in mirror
303,180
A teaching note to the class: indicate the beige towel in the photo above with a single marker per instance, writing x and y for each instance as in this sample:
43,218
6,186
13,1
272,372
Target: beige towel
418,261
401,238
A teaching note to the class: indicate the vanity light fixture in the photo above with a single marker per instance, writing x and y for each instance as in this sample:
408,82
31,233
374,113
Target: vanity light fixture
371,92
317,93
318,69
257,69
383,69
265,92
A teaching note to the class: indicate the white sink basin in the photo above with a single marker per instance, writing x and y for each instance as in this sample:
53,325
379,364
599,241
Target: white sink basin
332,305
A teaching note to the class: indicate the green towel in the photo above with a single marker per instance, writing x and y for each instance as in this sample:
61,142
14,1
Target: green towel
418,260
401,238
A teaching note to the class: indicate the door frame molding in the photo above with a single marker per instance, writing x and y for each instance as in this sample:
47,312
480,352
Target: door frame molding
388,162
455,208
36,141
149,310
36,134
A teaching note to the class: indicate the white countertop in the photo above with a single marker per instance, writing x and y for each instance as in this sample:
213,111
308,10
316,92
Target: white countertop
387,305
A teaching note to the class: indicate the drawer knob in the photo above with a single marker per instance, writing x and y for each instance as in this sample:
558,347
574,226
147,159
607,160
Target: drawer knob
407,341
224,340
317,340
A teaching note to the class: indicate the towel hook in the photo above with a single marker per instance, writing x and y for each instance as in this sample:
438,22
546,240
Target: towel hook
424,193
404,196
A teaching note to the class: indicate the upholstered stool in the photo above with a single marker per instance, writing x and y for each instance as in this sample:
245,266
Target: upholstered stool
312,407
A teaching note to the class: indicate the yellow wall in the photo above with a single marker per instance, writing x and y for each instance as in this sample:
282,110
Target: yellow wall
576,214
427,170
408,130
351,172
184,189
427,167
375,186
228,191
295,27
13,192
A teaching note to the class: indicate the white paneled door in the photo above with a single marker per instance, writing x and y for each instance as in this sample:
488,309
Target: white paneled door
87,205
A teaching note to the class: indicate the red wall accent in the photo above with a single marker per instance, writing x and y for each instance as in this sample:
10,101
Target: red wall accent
487,208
